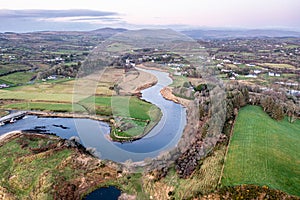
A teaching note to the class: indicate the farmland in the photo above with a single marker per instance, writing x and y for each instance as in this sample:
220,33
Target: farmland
264,152
57,107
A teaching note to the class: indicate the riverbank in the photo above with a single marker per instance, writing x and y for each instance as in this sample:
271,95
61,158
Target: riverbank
134,81
8,136
68,115
59,169
166,92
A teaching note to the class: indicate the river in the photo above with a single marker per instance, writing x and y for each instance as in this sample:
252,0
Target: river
164,136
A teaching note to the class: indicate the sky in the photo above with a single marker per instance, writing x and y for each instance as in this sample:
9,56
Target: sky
32,15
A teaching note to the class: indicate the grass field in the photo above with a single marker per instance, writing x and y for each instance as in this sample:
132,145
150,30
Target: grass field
11,67
264,152
35,96
57,107
137,115
277,66
18,77
124,106
178,81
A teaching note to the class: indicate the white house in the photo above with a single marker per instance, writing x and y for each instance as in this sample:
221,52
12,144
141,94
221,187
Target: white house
227,61
3,86
271,74
257,71
226,70
251,76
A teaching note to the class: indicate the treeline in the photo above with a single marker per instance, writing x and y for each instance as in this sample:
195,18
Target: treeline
276,103
61,70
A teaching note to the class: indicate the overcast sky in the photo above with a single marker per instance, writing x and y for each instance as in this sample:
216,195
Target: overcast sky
30,15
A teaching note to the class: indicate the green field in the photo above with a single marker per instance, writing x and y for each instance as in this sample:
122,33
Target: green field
264,152
57,107
132,116
277,66
12,67
18,77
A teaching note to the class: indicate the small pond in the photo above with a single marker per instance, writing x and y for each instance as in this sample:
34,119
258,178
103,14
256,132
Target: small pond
104,193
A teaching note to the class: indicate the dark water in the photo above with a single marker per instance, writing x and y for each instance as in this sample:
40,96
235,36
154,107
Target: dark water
94,134
105,193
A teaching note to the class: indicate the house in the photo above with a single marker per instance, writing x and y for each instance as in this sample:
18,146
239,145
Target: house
226,70
177,73
277,75
257,71
52,77
251,76
227,61
4,86
271,74
237,63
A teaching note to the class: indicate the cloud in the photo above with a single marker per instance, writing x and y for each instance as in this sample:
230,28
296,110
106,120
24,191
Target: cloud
32,20
53,13
112,19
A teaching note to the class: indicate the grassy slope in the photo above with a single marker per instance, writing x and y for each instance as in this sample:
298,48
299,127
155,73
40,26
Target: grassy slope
264,152
41,167
26,171
204,179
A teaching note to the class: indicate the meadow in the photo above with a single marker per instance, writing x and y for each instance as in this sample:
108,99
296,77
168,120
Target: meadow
17,78
56,107
277,66
132,116
263,151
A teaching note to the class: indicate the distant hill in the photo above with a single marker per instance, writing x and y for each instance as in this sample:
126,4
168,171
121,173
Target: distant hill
103,32
166,34
214,34
107,32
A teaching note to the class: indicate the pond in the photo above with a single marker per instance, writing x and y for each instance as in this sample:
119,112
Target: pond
104,193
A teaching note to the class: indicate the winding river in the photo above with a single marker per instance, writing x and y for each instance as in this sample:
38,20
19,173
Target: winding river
165,135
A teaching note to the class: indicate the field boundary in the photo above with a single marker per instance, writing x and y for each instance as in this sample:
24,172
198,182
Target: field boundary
226,152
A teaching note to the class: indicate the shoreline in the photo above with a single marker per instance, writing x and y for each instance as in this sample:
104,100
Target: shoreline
166,92
9,135
68,115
